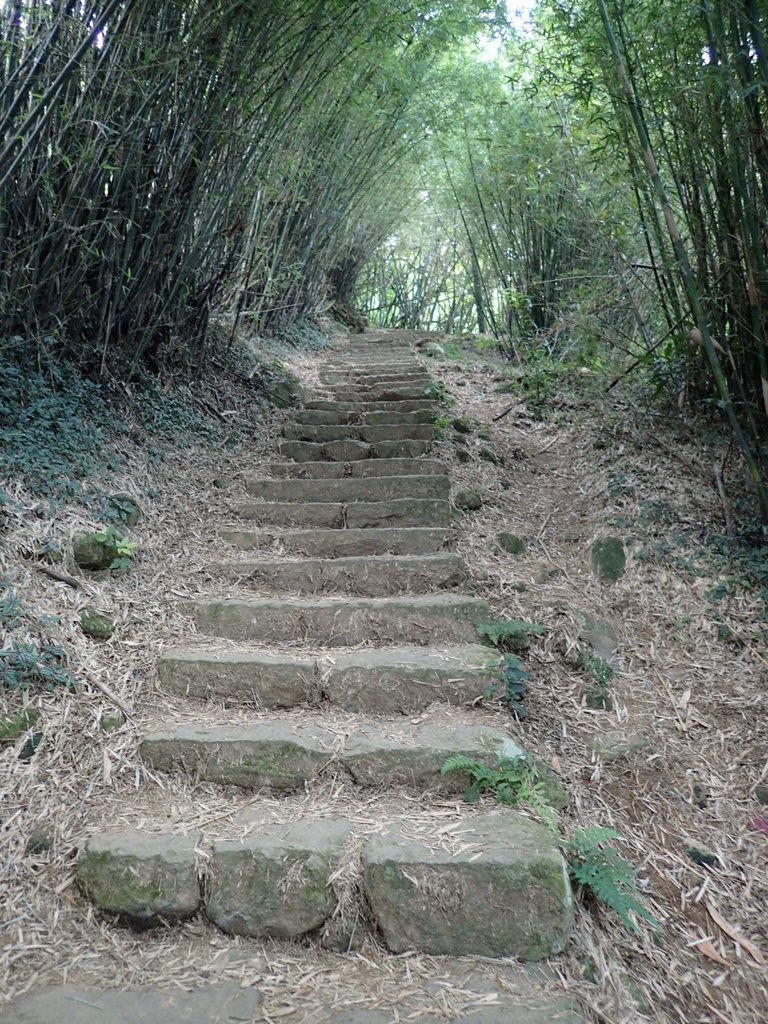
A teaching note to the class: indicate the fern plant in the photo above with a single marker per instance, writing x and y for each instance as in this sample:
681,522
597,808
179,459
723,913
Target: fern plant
511,780
513,687
601,871
510,634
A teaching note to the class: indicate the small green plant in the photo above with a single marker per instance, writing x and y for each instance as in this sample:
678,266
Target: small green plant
124,548
597,667
11,610
602,872
38,664
510,780
513,686
510,634
438,392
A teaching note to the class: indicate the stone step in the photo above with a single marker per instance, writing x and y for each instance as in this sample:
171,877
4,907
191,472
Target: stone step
378,393
347,489
341,622
369,419
368,576
506,994
277,882
358,378
504,892
383,682
356,515
349,431
353,451
283,755
331,404
351,470
341,543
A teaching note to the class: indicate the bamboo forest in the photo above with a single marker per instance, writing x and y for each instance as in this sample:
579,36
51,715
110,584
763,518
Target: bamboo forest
384,511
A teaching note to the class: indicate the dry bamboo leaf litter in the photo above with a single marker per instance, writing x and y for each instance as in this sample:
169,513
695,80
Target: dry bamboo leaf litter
702,703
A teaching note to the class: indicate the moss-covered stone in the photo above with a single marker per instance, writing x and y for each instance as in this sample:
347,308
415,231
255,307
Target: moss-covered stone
511,543
614,744
491,456
597,697
761,794
141,877
468,500
90,552
108,723
14,726
608,559
701,854
415,888
222,483
38,843
461,426
97,625
276,883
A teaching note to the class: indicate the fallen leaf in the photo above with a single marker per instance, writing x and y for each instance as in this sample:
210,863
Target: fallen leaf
734,933
706,947
555,762
759,824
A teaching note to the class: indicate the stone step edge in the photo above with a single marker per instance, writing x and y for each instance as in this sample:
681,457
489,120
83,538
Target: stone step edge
391,680
278,883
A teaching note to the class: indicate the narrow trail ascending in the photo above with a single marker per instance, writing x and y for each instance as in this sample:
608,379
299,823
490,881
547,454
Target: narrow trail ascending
348,603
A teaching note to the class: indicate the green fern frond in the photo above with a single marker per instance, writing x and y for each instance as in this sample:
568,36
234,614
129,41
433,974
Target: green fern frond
511,780
601,870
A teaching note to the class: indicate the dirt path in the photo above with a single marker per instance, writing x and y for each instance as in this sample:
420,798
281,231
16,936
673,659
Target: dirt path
301,654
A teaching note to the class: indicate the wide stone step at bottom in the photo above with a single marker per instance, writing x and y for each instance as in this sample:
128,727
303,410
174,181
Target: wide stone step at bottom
352,451
344,622
489,885
369,576
395,681
510,994
346,489
355,515
362,468
340,543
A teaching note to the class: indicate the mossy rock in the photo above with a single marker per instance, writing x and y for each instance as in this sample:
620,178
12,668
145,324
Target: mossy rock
511,543
91,552
701,855
434,349
38,842
614,744
286,392
597,698
761,794
462,455
608,559
31,744
124,508
490,456
468,501
97,625
461,426
14,726
108,723
222,483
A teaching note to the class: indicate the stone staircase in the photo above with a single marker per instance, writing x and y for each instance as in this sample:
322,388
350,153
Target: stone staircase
347,601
